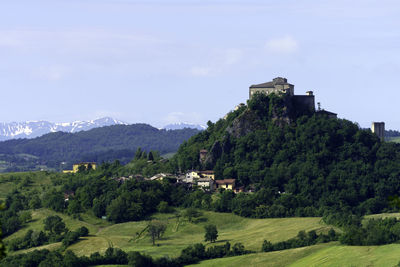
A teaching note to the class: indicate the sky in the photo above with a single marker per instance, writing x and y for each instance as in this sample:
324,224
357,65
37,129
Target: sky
162,62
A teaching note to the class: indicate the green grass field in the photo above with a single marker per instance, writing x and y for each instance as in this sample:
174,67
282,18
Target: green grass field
250,232
394,139
179,234
92,223
11,181
331,254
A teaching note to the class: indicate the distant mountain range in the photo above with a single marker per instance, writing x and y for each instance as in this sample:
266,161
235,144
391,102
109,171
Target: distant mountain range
183,125
32,129
53,150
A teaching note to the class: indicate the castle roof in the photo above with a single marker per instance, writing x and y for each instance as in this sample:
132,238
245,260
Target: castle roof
271,84
323,111
263,85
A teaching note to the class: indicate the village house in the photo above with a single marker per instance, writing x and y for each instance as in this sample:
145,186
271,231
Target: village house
228,184
238,189
75,167
206,183
88,165
191,176
207,174
160,176
123,179
68,194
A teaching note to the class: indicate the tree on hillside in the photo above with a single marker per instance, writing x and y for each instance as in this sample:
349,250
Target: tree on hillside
138,153
89,167
156,229
54,200
2,247
82,168
54,225
25,216
191,213
211,233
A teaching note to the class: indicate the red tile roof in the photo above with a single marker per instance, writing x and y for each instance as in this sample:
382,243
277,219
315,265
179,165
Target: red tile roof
225,181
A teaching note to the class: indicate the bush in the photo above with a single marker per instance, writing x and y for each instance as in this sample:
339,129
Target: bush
83,231
164,208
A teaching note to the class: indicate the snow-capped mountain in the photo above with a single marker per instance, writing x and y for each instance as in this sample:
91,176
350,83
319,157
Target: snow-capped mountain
31,129
182,125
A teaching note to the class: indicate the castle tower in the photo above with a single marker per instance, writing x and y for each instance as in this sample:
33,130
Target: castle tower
278,85
203,154
379,129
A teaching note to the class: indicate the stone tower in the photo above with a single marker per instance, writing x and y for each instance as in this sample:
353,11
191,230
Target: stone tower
278,85
379,129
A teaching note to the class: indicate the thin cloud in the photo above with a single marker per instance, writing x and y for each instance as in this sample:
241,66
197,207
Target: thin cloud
233,56
221,62
50,73
282,45
75,40
178,116
202,71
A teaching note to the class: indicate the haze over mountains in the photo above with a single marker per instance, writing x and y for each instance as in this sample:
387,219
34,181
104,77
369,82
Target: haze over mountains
32,129
100,144
183,125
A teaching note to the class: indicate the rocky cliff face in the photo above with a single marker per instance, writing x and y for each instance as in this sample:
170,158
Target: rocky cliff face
246,123
280,110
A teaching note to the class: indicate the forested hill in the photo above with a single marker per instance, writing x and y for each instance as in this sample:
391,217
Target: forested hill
320,163
99,144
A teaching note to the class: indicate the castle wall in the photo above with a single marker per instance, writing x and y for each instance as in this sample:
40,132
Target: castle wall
379,129
277,89
304,101
266,91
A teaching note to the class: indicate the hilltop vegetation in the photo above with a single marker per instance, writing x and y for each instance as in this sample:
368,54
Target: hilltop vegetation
322,165
100,144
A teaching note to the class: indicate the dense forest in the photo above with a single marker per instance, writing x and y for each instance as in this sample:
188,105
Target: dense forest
305,163
99,144
391,133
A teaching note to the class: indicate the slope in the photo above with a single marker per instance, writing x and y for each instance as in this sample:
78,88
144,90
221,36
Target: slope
99,144
180,233
329,254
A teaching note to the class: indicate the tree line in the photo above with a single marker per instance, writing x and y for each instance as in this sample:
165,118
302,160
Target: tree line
100,144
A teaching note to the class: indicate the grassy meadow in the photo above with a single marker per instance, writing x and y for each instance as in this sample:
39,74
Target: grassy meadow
23,181
331,254
394,139
180,233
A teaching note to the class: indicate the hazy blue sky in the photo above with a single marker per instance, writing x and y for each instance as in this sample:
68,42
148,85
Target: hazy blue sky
168,61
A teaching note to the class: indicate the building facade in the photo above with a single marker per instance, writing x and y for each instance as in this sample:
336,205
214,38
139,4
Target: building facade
278,85
378,128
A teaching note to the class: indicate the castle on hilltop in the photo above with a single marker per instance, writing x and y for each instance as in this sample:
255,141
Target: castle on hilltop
280,86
